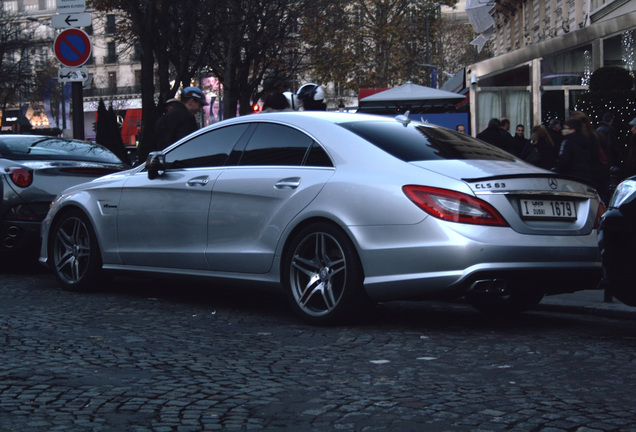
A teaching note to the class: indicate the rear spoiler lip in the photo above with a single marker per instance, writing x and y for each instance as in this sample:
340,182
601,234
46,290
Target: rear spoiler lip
530,175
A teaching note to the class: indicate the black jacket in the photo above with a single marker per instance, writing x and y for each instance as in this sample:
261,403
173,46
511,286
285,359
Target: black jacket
497,137
174,125
575,158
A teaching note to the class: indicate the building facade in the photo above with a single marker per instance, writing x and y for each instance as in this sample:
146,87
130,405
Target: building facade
114,69
545,53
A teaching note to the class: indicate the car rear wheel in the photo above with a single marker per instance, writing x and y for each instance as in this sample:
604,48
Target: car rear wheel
74,251
323,276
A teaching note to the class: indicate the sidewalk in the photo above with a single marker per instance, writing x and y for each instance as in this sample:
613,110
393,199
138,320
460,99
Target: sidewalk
589,302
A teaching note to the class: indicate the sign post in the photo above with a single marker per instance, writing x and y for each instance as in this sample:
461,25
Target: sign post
73,48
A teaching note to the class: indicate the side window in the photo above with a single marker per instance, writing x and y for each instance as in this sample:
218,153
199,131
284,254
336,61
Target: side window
276,145
206,150
317,157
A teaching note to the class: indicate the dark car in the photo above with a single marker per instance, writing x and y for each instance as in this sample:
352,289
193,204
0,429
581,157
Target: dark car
33,171
617,242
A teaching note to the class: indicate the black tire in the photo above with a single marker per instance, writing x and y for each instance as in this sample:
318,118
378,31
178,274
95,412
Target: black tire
514,303
322,276
74,253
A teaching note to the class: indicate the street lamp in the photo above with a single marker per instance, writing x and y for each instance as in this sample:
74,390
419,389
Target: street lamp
428,9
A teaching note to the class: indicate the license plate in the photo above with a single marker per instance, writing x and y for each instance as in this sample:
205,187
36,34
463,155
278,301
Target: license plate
547,209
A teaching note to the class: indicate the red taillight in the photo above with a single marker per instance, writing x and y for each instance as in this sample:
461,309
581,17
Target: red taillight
453,206
601,210
22,177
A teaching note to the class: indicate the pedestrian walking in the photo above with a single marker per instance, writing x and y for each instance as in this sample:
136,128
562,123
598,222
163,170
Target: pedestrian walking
275,101
519,140
179,121
554,129
539,149
609,141
599,161
311,97
575,157
495,135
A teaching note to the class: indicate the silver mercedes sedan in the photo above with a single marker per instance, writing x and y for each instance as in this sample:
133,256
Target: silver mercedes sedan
338,210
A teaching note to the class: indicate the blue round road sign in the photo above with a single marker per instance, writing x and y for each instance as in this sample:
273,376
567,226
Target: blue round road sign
72,47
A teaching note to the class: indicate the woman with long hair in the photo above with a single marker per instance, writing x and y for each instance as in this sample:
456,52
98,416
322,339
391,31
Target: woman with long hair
599,162
540,150
576,152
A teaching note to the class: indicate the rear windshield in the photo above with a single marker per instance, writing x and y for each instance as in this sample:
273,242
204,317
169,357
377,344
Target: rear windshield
416,142
27,147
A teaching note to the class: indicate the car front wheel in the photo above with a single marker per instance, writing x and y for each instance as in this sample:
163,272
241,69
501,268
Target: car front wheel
323,276
74,252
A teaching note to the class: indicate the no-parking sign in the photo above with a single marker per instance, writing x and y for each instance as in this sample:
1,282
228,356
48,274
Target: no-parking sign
72,47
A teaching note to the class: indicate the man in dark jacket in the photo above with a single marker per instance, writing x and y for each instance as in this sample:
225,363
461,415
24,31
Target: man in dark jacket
554,129
496,136
575,157
607,134
179,121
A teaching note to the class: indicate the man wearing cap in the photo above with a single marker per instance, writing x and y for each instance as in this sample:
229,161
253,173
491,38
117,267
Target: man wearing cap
179,121
629,166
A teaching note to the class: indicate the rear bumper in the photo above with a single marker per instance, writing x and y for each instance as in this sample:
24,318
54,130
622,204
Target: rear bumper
452,261
18,236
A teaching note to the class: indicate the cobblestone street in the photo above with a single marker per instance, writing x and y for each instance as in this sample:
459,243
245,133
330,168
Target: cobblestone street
183,358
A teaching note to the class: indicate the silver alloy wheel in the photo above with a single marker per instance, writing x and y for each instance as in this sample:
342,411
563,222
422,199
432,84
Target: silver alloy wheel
72,250
318,274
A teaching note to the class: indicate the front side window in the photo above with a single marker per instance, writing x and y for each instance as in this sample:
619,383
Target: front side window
210,149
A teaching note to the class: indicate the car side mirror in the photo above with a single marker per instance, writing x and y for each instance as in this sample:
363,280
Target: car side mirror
155,164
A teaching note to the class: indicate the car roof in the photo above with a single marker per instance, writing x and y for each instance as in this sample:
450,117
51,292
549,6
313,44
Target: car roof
302,118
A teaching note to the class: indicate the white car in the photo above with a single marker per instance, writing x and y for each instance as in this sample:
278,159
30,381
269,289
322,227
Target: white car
340,210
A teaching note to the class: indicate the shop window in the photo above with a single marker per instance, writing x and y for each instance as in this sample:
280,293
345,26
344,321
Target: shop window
512,78
569,68
515,105
619,51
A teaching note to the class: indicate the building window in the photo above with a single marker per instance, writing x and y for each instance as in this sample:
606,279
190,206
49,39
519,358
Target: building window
112,80
111,57
138,77
569,68
111,25
619,51
136,54
10,6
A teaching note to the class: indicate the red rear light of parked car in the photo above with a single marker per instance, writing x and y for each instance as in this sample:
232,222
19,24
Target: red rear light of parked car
453,206
22,177
601,210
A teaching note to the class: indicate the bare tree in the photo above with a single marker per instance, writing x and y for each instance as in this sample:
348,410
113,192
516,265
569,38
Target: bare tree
454,48
370,43
16,63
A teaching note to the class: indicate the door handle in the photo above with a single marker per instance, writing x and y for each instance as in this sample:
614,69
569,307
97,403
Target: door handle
288,183
198,181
